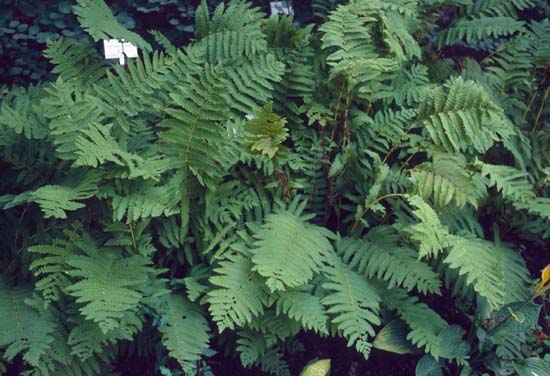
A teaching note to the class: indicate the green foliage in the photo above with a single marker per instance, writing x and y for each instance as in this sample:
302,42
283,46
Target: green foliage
224,193
288,251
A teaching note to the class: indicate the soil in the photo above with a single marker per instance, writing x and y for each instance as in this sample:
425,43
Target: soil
344,361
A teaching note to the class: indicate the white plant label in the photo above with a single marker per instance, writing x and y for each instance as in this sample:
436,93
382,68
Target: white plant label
281,7
118,49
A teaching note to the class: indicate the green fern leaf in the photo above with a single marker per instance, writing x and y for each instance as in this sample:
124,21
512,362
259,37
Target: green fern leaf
55,200
96,18
289,251
379,255
266,132
353,304
475,30
461,116
107,284
23,329
425,324
430,233
186,331
305,308
239,295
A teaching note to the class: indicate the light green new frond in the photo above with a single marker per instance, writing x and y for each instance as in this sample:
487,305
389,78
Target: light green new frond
353,305
289,251
23,329
302,306
75,63
22,114
425,324
460,116
475,30
238,295
251,84
265,132
186,331
513,184
446,180
96,18
55,200
430,233
106,284
481,262
195,133
378,255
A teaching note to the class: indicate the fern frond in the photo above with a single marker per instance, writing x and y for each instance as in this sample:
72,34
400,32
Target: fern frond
462,117
251,84
55,200
477,29
106,284
24,330
75,62
95,146
96,18
353,305
481,262
513,184
185,333
255,349
266,132
425,324
289,251
70,111
379,255
446,179
430,233
238,296
139,88
302,306
145,201
497,7
21,113
195,133
230,32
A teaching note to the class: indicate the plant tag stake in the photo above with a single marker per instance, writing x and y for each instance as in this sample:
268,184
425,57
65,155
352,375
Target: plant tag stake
118,49
281,7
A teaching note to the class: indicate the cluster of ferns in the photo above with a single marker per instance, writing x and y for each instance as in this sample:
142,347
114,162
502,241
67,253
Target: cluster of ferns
272,178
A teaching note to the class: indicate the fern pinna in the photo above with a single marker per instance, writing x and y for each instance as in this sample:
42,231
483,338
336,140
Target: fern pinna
270,179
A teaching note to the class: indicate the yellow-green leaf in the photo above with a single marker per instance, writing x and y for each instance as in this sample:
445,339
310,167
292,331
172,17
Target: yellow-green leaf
317,368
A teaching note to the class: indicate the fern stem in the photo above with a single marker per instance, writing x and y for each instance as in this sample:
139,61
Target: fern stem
542,105
336,110
396,145
532,99
133,237
347,135
366,210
